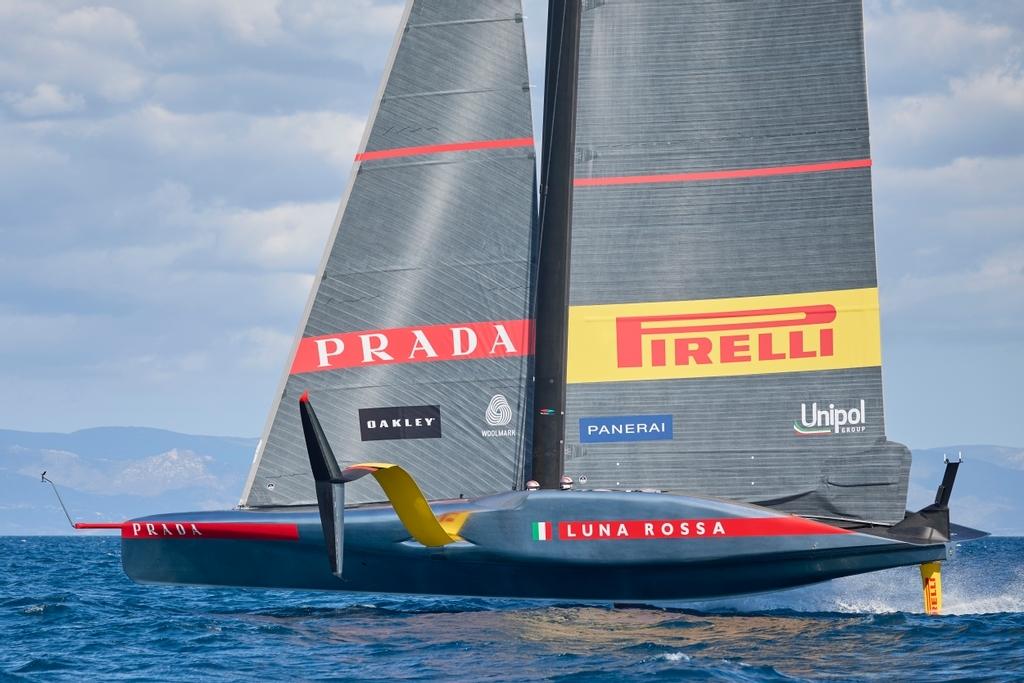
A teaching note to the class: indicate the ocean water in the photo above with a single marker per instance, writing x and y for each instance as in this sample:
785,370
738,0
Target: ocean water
67,612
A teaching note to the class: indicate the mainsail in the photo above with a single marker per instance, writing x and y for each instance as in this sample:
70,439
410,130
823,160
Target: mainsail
416,341
723,323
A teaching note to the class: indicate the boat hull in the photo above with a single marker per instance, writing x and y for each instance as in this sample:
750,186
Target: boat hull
585,545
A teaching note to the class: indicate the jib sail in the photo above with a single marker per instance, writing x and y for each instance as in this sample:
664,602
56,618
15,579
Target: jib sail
723,334
416,342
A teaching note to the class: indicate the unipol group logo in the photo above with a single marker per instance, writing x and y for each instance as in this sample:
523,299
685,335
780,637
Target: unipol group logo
707,338
818,420
370,348
498,414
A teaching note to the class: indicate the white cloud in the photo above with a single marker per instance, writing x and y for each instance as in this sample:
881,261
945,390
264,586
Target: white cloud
262,348
44,100
981,177
328,136
156,369
249,21
104,26
985,185
353,29
359,17
978,113
47,334
943,83
331,135
983,298
255,21
927,42
360,30
95,51
287,236
24,157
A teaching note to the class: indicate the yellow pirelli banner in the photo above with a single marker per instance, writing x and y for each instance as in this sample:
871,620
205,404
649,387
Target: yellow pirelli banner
724,337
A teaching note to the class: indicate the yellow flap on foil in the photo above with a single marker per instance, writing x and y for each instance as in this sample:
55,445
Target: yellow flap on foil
410,505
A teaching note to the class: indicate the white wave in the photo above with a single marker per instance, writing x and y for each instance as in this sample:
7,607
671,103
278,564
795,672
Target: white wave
676,656
968,588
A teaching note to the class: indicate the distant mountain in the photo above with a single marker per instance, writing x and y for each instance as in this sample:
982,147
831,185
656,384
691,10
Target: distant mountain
116,473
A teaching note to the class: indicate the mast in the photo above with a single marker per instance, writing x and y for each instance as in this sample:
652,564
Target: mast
556,173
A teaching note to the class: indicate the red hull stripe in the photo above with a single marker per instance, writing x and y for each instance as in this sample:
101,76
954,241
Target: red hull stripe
724,527
397,345
722,175
469,146
247,531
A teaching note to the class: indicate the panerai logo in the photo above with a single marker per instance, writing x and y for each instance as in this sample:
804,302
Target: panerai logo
819,420
400,422
625,428
498,414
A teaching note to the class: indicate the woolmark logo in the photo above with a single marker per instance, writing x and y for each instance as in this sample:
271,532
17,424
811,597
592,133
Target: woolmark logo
821,421
625,428
457,341
498,414
699,339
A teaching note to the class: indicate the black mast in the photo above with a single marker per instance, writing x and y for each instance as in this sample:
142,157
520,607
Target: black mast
556,174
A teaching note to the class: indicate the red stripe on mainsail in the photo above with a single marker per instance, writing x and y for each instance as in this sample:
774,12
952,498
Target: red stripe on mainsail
247,531
722,175
468,146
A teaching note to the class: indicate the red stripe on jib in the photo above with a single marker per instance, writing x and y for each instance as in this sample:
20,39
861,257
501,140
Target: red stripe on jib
722,175
425,343
724,527
246,531
468,146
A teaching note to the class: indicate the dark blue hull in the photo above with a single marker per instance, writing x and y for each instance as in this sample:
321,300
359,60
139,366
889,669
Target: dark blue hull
562,545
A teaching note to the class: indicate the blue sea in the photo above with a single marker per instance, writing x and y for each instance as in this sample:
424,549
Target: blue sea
67,612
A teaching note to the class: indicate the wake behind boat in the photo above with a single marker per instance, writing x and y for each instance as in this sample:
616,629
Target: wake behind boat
687,329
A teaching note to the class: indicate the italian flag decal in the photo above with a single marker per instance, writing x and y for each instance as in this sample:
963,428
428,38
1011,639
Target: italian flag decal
542,531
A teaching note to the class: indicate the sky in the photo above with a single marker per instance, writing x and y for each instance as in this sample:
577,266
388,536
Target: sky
170,169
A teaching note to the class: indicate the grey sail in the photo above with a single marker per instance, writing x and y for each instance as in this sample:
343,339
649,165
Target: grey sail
416,344
723,320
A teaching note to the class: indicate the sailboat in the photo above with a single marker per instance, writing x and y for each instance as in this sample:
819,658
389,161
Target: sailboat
655,375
